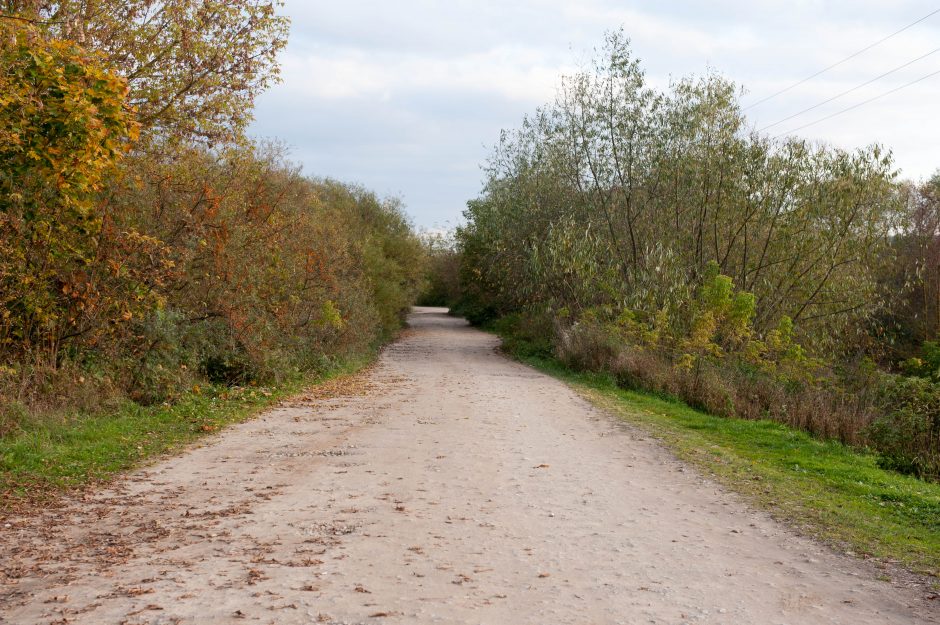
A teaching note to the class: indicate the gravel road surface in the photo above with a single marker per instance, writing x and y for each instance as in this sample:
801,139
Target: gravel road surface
446,485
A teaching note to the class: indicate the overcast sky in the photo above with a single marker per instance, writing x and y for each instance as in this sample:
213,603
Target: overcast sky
407,97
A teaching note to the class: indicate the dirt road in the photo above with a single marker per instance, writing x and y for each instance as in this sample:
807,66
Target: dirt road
460,488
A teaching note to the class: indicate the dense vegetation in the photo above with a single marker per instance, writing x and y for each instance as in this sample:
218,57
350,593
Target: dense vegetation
146,245
654,236
442,284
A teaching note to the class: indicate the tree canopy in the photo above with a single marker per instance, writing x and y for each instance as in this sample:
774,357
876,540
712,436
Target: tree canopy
193,67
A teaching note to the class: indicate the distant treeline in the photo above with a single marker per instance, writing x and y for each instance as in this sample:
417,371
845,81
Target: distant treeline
145,243
654,235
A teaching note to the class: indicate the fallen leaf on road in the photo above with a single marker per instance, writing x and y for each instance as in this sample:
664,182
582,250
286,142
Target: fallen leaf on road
136,590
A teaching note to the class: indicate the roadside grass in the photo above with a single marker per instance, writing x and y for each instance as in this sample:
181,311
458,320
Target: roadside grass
823,488
45,458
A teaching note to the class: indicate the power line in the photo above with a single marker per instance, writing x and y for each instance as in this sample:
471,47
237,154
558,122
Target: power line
848,91
863,103
838,63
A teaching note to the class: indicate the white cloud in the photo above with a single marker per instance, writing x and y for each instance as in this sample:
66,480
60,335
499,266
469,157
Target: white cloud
513,72
404,96
647,28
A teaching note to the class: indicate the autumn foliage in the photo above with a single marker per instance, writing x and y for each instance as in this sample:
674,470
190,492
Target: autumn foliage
64,127
145,244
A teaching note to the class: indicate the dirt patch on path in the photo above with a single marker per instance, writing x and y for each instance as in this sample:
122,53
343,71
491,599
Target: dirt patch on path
450,485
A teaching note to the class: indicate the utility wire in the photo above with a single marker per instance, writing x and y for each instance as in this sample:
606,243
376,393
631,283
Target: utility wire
848,91
837,63
863,103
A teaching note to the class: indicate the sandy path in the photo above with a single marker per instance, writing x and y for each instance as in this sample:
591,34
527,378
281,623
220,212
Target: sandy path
463,488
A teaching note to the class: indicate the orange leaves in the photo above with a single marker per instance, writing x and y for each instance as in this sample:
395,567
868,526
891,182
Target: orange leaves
220,237
64,125
317,269
210,203
228,263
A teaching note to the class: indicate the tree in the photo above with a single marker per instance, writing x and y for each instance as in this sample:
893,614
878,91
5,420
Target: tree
64,124
617,196
442,287
914,279
193,67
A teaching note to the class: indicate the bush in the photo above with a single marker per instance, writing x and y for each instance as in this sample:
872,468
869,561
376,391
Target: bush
443,267
527,335
636,368
36,388
64,125
13,415
586,346
907,433
477,312
261,274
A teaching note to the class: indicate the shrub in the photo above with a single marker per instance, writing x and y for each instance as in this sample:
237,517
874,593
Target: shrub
253,273
64,125
528,335
586,346
907,432
443,266
637,368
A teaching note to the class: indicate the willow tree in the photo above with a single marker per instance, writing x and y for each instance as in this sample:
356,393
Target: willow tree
617,196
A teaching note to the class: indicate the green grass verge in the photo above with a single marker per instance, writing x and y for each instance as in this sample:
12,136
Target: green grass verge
823,488
45,458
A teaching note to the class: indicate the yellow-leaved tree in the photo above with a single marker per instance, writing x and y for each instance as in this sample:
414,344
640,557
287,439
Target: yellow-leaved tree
64,124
